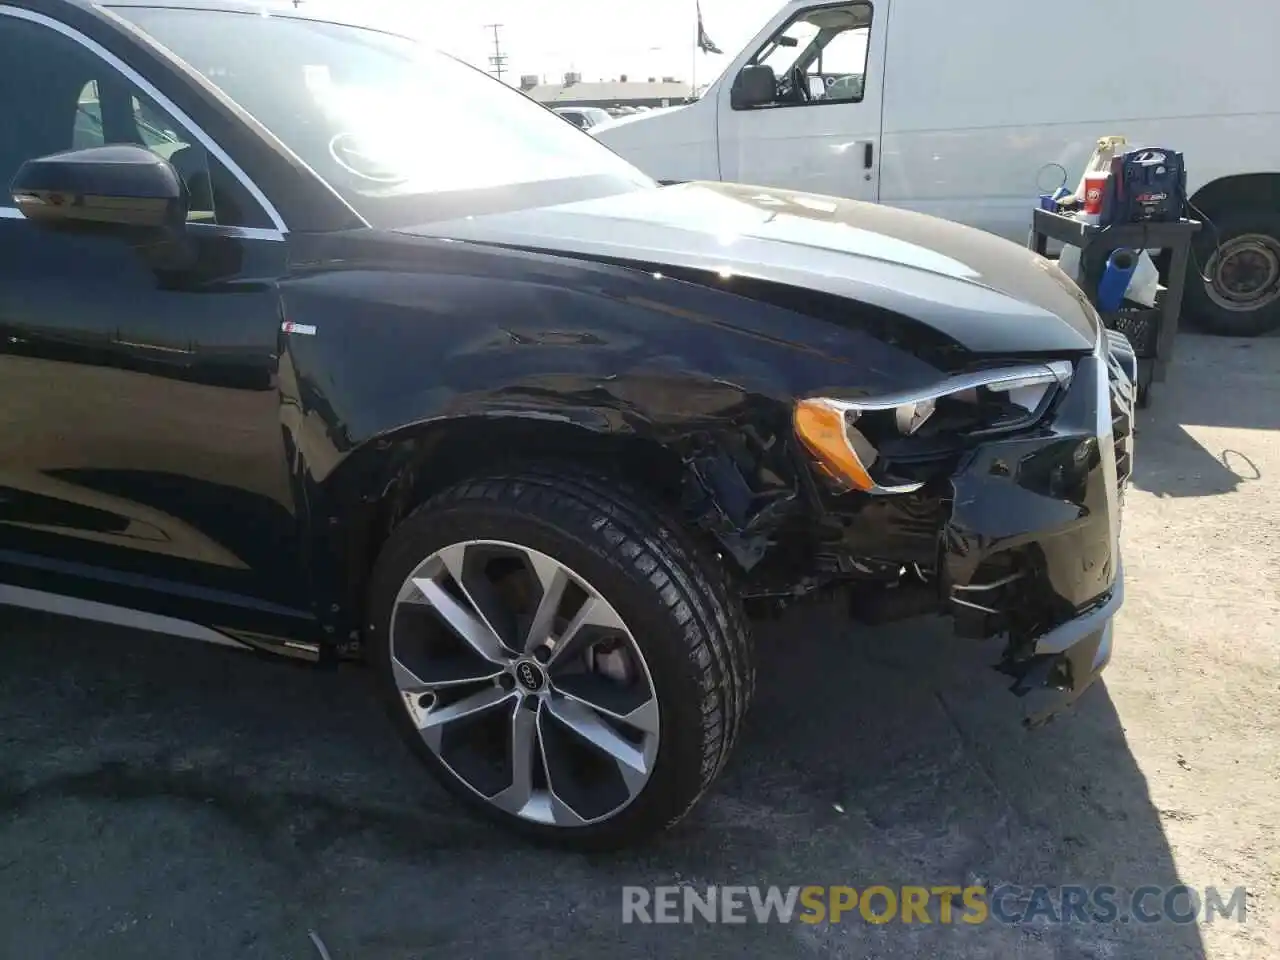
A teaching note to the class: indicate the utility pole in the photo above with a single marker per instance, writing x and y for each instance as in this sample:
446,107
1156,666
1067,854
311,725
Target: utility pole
497,62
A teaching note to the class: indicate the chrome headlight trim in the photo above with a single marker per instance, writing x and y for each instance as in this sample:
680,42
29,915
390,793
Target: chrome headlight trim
911,409
1058,373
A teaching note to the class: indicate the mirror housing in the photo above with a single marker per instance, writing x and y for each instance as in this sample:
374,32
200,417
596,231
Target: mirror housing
754,86
119,185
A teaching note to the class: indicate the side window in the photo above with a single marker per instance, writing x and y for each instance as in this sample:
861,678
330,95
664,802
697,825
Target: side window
72,100
88,129
787,46
842,64
819,55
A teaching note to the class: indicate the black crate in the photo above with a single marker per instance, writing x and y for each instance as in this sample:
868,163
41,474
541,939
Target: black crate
1141,326
1152,332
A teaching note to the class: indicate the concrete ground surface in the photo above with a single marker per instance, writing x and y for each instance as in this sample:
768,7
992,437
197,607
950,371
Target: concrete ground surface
159,798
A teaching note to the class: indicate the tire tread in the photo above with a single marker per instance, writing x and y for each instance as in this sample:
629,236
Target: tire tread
634,532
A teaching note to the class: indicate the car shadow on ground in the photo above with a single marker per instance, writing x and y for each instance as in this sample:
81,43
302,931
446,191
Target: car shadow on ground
167,799
1196,395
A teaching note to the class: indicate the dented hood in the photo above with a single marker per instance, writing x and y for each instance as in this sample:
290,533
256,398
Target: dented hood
987,294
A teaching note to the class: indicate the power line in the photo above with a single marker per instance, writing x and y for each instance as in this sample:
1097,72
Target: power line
497,62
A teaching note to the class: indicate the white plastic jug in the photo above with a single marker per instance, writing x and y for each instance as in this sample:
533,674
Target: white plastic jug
1108,148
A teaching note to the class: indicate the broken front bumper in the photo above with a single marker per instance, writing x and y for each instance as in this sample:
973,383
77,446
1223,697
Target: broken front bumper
1032,548
1067,660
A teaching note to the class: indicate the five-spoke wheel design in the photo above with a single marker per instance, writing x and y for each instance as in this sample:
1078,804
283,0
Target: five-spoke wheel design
525,683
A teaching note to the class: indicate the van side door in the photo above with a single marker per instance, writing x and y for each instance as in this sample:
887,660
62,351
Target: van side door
819,131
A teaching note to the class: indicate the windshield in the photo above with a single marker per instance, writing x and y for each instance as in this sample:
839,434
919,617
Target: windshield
402,133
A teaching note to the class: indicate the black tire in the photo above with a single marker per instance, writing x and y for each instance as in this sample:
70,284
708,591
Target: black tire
1199,304
674,598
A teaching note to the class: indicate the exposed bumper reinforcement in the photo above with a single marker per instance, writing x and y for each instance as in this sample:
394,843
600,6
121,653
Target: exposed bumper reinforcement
1067,660
1073,631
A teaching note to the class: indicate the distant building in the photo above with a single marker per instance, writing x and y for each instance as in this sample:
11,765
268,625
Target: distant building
572,92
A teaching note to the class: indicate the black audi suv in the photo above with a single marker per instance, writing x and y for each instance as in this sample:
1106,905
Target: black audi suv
316,342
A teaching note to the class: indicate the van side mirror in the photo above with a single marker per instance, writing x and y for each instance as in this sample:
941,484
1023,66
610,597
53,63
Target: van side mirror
754,86
119,185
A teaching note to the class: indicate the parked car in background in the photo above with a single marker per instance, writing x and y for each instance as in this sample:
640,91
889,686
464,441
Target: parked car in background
480,403
970,112
583,117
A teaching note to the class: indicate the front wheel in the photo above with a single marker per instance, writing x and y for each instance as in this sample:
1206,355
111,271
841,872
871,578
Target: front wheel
563,660
1238,257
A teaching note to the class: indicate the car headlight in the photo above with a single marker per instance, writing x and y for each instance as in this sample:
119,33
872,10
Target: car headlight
846,437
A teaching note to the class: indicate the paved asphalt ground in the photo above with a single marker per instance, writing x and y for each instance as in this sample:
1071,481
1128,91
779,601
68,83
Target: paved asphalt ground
160,799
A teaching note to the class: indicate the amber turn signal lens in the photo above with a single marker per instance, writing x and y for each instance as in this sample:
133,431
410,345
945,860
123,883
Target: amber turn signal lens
821,428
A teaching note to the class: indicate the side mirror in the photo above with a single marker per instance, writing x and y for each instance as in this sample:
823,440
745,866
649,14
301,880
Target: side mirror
119,185
754,86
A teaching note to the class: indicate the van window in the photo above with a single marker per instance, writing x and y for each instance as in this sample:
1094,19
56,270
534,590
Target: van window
819,55
786,47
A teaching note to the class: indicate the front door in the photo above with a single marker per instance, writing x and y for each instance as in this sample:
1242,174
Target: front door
142,461
822,132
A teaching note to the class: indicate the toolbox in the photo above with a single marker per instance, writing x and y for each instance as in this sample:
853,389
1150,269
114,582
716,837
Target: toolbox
1151,331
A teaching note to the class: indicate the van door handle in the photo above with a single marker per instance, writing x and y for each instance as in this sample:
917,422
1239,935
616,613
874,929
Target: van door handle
868,155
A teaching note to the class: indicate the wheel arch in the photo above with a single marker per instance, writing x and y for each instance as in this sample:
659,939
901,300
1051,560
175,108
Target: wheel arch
694,476
1224,192
1223,205
428,458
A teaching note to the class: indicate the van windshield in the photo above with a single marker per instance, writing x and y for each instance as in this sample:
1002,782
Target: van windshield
402,133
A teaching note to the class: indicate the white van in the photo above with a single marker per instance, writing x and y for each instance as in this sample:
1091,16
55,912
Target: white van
969,110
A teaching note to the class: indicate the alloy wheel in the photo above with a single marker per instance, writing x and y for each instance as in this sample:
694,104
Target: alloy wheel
526,684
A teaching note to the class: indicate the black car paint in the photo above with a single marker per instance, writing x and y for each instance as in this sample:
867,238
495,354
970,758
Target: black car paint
425,341
121,391
210,465
980,291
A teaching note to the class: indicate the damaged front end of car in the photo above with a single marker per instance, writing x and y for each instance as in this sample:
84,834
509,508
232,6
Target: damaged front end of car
993,497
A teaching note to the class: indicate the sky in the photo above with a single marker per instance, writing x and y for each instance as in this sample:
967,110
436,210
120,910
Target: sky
600,39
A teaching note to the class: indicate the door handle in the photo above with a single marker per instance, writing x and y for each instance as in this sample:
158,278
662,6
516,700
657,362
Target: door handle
868,155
